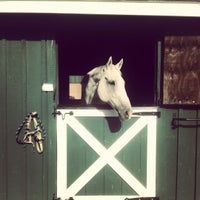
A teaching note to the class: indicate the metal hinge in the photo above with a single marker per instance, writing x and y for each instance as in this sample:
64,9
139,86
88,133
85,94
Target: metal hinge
143,198
55,197
58,198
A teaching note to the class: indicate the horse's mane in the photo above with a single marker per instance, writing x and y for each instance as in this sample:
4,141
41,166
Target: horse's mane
96,101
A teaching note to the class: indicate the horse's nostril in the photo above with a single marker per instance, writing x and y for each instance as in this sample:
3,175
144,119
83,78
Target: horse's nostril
128,114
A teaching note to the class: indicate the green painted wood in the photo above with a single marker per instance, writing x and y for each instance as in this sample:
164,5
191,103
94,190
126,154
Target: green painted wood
76,156
45,119
24,66
3,132
34,93
49,102
15,110
186,159
166,155
197,172
197,181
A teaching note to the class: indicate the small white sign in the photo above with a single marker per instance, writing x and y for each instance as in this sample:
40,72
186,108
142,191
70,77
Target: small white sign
47,87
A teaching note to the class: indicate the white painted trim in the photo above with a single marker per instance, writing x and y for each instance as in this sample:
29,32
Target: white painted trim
94,112
151,155
188,9
61,156
111,197
106,155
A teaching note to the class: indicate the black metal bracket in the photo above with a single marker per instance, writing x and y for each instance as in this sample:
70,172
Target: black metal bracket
175,123
63,115
143,198
158,114
56,198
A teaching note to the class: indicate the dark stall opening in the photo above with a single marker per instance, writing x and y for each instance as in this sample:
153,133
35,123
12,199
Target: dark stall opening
90,40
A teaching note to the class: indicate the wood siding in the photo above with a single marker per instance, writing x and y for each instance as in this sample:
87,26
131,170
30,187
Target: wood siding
26,175
178,157
24,66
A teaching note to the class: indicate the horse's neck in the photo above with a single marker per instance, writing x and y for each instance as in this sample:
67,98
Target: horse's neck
97,101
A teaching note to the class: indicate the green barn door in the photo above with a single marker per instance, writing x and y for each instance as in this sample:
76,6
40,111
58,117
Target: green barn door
178,155
188,141
98,157
24,67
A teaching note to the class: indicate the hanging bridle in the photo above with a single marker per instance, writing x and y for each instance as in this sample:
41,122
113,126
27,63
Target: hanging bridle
33,130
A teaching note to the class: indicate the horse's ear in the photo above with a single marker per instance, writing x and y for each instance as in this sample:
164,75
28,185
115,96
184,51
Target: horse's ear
119,64
109,62
96,73
94,77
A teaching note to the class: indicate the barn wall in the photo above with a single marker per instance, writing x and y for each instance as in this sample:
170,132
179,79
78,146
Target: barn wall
24,66
24,174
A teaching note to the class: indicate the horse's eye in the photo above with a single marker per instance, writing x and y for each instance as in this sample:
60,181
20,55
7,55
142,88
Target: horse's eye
112,82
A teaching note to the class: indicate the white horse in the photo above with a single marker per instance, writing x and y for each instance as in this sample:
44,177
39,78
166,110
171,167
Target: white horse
108,83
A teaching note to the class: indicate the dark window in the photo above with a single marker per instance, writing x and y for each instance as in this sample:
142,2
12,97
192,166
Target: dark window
90,41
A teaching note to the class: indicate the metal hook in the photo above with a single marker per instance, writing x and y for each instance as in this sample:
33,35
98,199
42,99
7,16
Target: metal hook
62,114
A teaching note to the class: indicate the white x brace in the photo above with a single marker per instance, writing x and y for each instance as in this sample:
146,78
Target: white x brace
106,156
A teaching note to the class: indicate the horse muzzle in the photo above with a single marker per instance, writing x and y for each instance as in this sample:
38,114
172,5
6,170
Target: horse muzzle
124,114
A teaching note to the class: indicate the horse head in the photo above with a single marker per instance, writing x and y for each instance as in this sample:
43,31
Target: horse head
108,83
